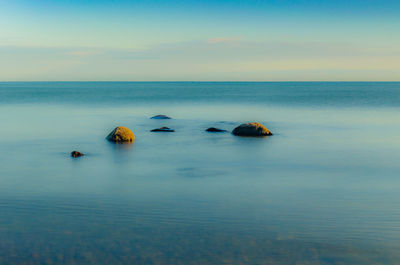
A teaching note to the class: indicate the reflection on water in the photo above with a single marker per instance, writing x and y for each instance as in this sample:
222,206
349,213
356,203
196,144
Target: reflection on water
113,231
121,148
322,190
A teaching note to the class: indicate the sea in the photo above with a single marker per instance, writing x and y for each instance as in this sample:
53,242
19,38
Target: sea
324,189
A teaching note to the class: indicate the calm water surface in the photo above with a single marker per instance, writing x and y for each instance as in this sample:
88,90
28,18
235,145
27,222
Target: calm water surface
325,189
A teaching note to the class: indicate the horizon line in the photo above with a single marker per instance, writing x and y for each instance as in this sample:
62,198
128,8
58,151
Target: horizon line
195,81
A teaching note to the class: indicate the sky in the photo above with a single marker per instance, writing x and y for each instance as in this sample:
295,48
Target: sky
154,40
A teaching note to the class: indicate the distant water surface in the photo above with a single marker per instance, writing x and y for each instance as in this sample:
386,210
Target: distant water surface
357,94
323,190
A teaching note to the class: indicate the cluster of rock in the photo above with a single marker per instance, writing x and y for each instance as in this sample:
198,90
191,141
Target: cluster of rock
124,135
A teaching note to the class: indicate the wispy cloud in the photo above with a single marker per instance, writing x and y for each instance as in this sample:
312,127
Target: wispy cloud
224,40
83,53
199,60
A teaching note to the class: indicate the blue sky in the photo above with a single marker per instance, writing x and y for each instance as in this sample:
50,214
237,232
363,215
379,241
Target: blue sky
200,40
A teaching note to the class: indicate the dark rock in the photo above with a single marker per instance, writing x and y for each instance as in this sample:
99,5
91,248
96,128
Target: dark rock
251,129
163,129
121,134
212,129
161,117
76,154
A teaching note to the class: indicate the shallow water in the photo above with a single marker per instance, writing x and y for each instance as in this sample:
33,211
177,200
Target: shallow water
322,190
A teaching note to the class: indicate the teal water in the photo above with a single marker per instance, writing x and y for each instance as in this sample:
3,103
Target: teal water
323,190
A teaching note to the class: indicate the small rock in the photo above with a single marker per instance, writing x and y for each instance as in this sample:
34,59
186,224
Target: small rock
76,154
161,117
212,129
121,134
163,129
251,129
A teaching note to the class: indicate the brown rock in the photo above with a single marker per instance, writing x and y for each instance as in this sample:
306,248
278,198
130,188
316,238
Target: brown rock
251,129
121,134
76,154
163,129
212,129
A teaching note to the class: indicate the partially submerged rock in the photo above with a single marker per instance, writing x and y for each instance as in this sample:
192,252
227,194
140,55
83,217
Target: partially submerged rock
251,129
161,117
121,135
163,129
76,154
212,129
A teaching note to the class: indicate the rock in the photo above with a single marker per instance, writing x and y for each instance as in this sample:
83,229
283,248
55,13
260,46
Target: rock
121,134
76,154
161,117
163,129
251,129
212,129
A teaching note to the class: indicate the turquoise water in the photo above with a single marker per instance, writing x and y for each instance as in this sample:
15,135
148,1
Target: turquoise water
323,190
